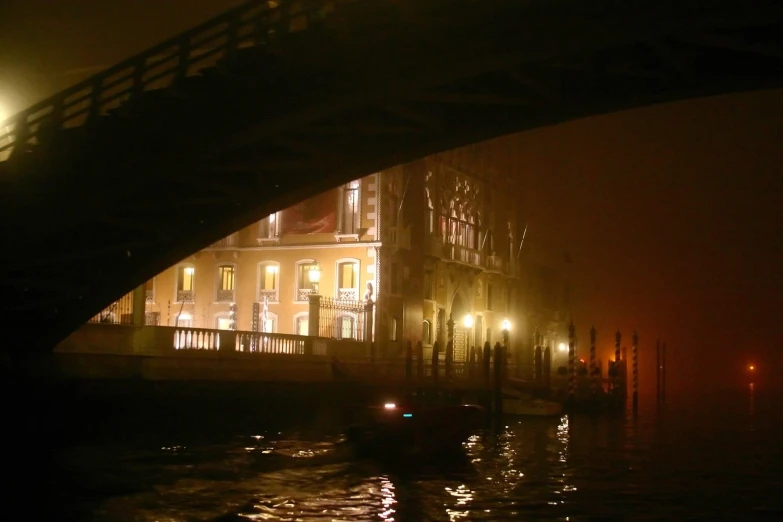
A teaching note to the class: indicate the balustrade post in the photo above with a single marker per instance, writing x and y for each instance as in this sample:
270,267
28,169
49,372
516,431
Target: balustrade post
139,305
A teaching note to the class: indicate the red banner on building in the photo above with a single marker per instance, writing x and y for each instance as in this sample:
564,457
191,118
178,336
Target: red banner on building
317,215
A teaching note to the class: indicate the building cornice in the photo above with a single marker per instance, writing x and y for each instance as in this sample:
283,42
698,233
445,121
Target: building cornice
308,246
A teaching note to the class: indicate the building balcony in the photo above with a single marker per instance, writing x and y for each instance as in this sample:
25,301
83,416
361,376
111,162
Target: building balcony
226,296
227,242
461,254
272,296
303,294
495,263
347,294
149,296
185,296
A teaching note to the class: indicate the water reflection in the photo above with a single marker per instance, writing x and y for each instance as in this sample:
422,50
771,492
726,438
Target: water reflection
577,468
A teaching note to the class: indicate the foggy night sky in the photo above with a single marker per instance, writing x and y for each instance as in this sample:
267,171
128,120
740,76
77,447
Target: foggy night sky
671,214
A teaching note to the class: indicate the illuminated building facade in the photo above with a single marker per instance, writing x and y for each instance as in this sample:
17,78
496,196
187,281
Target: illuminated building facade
435,246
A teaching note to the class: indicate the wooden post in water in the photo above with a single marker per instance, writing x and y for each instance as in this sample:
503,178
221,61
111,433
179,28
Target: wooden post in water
547,371
658,373
663,373
571,362
537,358
635,348
487,354
595,376
616,379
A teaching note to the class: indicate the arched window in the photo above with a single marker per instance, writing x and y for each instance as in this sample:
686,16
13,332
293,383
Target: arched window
347,280
304,287
186,284
184,320
426,332
269,281
301,324
393,333
345,326
223,321
226,283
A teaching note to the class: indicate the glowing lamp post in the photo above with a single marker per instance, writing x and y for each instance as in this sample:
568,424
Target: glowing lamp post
506,325
315,275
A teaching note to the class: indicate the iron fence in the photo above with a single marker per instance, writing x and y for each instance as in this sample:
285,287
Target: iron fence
342,319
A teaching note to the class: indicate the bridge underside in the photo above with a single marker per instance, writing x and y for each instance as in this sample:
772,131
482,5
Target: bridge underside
95,211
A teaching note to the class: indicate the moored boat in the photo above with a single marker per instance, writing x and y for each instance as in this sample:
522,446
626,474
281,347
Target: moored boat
395,430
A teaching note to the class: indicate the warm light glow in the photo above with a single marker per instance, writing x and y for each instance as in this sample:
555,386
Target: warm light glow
389,405
468,321
272,269
562,347
189,270
315,273
751,367
506,325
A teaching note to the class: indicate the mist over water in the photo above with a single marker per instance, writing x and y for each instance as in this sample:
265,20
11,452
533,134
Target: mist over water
715,456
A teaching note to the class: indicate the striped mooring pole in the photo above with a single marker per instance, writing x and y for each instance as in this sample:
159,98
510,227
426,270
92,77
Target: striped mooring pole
635,355
616,380
571,365
594,379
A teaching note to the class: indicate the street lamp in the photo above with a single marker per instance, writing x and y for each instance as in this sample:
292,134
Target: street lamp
315,275
562,347
506,324
467,322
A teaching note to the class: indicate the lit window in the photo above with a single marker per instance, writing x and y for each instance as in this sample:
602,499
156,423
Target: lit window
223,322
301,325
268,282
350,209
304,287
226,281
348,280
426,332
185,284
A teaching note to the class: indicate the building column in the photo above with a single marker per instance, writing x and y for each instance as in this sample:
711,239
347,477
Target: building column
139,305
313,315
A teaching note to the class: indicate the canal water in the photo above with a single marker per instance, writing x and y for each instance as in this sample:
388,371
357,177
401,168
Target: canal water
715,457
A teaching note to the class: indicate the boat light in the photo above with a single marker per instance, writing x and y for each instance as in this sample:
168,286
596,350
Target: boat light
407,415
389,405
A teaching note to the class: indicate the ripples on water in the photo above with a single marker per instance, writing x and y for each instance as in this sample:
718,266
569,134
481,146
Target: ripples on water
687,463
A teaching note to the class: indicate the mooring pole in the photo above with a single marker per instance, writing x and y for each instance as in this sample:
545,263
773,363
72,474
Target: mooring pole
547,371
663,374
595,376
635,355
571,362
616,390
658,373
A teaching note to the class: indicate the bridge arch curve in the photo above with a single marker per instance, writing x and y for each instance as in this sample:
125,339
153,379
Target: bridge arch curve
275,121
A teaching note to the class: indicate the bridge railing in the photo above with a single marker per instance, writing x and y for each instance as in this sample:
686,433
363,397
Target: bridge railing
255,22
